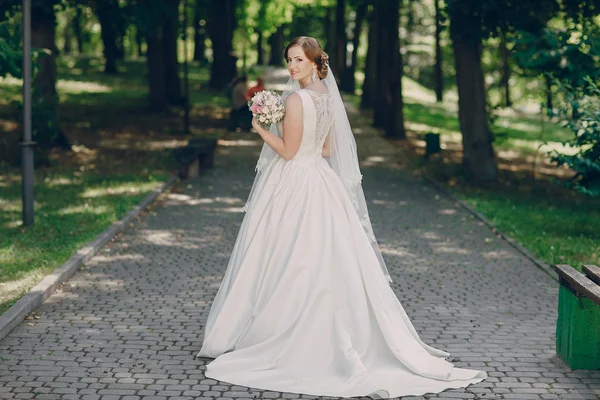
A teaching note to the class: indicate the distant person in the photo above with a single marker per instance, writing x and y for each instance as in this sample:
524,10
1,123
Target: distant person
241,116
259,87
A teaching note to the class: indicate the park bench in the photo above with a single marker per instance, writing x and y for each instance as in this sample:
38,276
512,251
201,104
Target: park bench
578,322
198,154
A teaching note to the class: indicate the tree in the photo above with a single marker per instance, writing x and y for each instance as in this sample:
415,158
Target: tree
329,30
348,81
45,102
10,41
221,26
569,55
272,22
139,41
504,54
109,13
339,56
149,17
67,32
46,123
586,138
390,71
367,99
439,75
156,69
169,43
260,29
470,22
276,42
381,68
78,22
200,31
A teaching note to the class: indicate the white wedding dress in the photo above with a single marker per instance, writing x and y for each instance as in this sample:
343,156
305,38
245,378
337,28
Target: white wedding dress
304,306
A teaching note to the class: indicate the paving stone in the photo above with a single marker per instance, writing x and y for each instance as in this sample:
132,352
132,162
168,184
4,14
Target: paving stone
131,323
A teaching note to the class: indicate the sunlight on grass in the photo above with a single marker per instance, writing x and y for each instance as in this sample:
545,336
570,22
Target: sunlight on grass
81,87
425,128
122,189
522,125
66,86
74,210
84,208
61,181
532,146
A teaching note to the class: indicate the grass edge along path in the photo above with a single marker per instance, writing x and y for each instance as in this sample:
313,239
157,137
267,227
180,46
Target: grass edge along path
67,218
554,224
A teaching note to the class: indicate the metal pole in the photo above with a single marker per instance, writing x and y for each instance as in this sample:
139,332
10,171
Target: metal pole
186,90
27,144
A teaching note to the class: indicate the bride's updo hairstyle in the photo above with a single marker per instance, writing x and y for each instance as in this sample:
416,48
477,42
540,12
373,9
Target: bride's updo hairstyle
313,51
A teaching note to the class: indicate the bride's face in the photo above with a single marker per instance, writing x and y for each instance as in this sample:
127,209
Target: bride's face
299,66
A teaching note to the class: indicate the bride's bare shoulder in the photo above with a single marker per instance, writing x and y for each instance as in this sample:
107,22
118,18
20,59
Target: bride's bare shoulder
293,105
293,100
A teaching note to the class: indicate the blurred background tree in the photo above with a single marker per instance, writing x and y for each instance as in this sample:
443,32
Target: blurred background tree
480,59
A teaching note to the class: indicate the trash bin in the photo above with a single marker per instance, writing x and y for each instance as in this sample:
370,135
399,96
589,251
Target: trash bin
432,144
578,321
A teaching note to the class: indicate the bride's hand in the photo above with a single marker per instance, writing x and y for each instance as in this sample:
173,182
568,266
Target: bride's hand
255,124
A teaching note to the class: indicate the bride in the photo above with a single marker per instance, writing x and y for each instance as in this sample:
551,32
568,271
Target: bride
305,305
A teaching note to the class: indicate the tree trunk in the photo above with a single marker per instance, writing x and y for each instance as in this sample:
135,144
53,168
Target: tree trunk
411,20
67,49
549,103
156,69
121,44
45,124
505,69
220,28
261,23
348,80
339,60
78,22
367,99
200,32
394,123
329,30
259,49
139,40
276,43
382,74
478,153
107,11
439,75
171,64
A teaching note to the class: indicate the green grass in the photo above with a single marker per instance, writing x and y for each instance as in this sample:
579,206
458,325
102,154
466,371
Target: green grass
520,132
558,230
82,84
556,225
71,209
122,153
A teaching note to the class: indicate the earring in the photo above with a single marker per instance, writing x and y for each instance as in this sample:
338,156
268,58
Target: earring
314,76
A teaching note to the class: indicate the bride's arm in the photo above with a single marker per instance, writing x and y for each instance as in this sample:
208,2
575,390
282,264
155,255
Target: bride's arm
288,146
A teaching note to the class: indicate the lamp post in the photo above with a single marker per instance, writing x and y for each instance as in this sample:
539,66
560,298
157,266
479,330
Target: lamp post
26,143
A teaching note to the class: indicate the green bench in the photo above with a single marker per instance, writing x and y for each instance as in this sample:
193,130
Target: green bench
578,322
197,155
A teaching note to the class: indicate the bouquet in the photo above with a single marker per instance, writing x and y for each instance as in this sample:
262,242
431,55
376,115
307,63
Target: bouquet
267,107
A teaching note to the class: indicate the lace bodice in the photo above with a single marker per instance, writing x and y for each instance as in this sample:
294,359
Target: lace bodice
317,120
